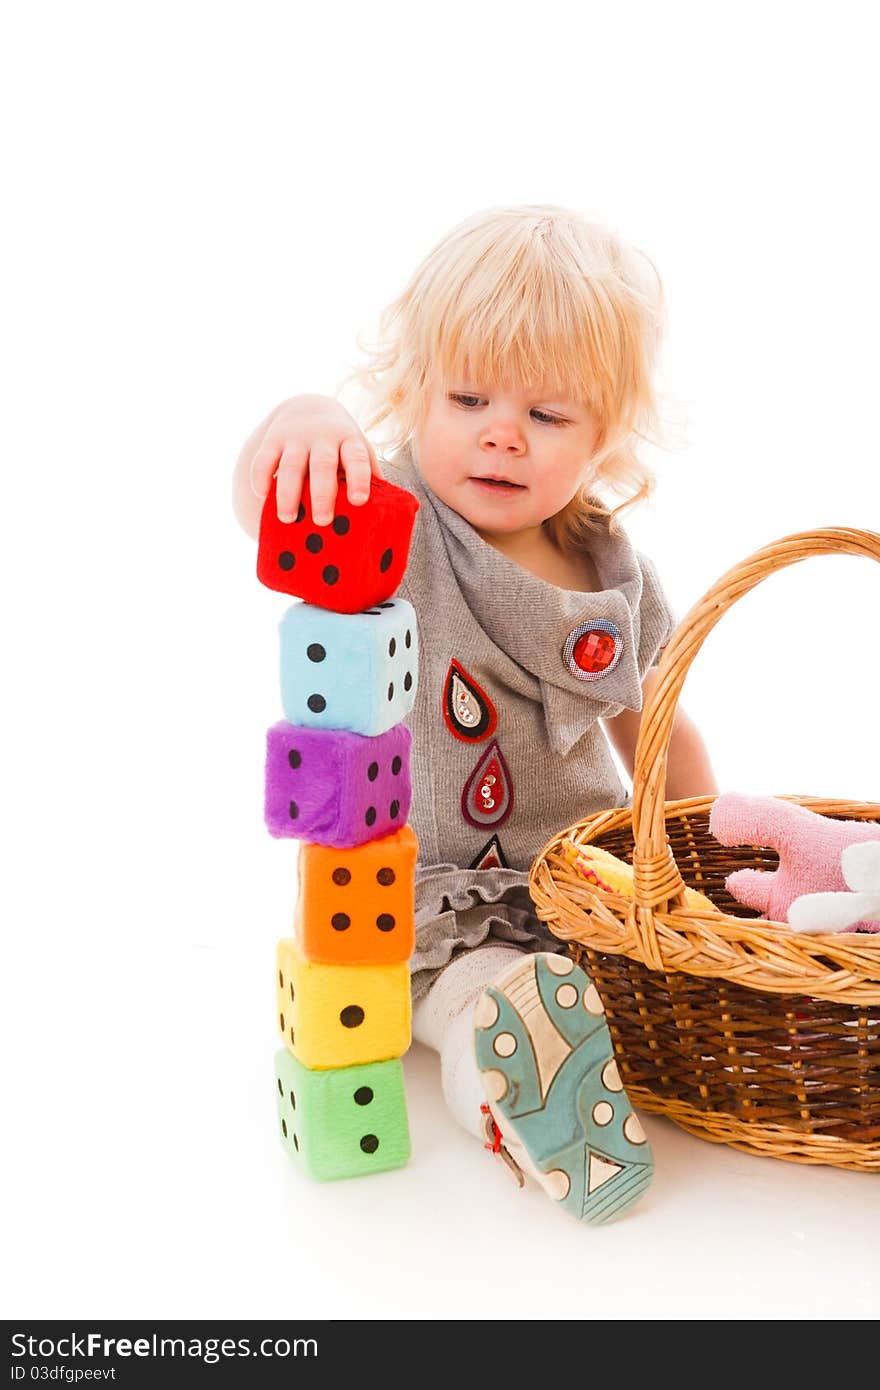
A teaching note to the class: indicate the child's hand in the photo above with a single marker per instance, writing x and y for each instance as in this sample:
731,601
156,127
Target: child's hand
314,435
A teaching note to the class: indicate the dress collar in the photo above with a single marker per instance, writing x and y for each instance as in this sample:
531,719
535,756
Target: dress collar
500,594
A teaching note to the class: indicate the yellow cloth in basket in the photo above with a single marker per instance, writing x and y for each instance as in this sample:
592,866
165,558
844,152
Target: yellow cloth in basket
604,869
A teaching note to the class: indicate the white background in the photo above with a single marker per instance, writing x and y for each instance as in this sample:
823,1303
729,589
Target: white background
204,204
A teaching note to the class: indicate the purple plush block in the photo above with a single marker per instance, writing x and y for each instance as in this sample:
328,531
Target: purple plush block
334,787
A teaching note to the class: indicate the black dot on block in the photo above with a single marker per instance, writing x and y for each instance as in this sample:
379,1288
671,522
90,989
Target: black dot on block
281,1021
392,647
395,807
373,771
286,560
294,810
341,525
342,876
352,1016
373,612
385,562
386,604
363,1095
330,574
391,691
369,1143
408,638
396,765
301,513
316,703
385,922
292,1038
407,681
296,1143
370,817
292,995
341,921
385,877
294,757
280,980
314,544
315,652
284,1128
280,1087
292,1101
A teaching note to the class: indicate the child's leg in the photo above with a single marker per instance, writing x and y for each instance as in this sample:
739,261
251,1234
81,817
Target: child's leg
525,1036
444,1021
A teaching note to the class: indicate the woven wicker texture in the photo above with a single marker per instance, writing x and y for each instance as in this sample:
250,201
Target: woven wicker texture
738,1029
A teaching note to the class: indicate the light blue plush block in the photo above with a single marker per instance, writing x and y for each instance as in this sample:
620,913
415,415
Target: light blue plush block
355,671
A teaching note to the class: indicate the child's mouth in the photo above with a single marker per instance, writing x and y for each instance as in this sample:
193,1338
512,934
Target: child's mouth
498,485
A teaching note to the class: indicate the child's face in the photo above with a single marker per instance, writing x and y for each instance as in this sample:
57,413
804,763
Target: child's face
471,432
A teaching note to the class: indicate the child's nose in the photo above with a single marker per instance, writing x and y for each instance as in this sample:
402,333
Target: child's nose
503,434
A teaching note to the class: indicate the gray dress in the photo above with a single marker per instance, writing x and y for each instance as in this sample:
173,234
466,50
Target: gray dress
514,674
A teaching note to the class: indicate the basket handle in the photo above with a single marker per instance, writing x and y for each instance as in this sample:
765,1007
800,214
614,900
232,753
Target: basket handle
656,880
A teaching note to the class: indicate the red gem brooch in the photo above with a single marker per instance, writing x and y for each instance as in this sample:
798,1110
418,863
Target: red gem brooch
592,649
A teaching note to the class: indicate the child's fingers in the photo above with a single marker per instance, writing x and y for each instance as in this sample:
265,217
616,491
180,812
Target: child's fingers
323,468
288,489
357,462
263,465
374,462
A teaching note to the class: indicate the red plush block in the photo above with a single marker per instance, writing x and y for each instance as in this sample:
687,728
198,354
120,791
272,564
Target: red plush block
354,563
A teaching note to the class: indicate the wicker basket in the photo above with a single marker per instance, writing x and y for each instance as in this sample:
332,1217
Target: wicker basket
738,1029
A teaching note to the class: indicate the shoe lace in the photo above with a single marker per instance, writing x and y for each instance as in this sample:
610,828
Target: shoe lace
495,1142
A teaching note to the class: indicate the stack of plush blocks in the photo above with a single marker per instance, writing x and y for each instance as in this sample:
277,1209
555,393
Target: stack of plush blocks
338,780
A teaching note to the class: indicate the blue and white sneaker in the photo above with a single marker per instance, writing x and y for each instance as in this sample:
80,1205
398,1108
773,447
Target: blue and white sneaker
554,1092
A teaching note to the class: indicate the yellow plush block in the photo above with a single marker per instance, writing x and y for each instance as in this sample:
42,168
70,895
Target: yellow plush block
604,869
342,1015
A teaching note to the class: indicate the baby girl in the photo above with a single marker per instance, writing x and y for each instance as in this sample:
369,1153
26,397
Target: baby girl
514,376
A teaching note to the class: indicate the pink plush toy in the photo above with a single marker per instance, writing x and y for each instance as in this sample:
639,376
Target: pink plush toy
809,846
860,865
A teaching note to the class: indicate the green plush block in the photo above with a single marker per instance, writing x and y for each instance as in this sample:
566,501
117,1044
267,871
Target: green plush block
342,1123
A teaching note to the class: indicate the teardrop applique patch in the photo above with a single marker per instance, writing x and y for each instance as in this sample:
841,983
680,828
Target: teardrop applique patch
467,709
487,798
491,856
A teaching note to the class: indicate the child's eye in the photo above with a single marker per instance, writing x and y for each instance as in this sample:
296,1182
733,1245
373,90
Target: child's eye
545,419
471,402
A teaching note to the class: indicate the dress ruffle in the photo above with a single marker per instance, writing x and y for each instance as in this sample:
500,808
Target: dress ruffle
459,909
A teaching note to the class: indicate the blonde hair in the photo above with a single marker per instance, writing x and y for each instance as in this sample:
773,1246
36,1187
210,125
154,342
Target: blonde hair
530,295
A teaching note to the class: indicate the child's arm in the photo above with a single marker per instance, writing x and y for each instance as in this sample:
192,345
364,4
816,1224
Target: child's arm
306,434
689,772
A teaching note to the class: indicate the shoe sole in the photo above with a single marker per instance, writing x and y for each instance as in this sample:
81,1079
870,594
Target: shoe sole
543,1048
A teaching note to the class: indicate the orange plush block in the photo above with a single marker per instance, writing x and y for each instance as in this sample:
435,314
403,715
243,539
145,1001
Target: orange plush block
356,906
342,1015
